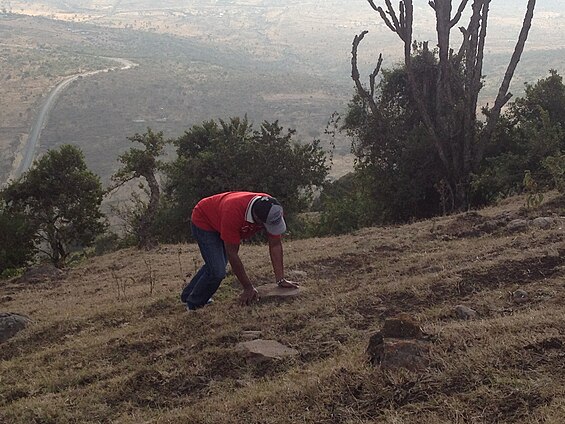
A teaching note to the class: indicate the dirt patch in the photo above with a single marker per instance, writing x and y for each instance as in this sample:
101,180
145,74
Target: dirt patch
346,264
545,345
512,406
525,271
467,225
153,388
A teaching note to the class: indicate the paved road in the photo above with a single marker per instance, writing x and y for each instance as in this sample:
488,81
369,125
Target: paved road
47,105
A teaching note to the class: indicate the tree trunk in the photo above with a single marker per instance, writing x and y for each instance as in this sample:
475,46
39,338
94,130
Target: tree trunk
146,240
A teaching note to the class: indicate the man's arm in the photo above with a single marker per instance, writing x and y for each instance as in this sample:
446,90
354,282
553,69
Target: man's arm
249,293
276,253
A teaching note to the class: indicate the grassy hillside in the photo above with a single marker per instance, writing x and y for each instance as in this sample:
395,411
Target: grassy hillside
95,355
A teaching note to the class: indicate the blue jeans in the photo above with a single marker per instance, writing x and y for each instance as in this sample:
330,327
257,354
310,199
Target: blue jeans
207,280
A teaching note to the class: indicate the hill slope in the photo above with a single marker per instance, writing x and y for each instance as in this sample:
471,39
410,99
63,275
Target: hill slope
93,355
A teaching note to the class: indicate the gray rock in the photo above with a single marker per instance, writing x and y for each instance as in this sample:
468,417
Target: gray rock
517,225
492,225
11,324
543,222
464,312
272,291
262,350
40,273
520,296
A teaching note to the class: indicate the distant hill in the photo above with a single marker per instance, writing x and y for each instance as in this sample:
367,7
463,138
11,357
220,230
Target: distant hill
208,59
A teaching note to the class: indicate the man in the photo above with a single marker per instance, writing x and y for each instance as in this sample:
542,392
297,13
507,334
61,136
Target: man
219,223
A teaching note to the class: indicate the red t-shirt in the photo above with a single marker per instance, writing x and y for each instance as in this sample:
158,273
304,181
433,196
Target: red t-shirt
226,214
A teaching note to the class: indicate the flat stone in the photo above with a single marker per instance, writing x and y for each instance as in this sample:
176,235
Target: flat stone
464,312
273,291
260,350
11,324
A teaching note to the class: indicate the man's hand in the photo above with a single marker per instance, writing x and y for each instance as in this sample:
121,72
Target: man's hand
248,296
284,283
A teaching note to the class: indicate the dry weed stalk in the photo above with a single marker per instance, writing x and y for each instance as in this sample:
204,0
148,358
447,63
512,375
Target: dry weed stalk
150,275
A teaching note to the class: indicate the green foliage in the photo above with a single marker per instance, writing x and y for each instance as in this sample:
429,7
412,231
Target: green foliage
343,207
17,237
229,156
532,130
398,169
141,162
556,167
60,198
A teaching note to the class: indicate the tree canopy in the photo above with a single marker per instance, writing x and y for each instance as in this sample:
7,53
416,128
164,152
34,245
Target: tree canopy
226,156
60,198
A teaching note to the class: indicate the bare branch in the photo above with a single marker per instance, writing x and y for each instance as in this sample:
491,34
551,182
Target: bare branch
355,73
432,4
386,20
372,3
120,183
392,14
373,76
503,96
460,10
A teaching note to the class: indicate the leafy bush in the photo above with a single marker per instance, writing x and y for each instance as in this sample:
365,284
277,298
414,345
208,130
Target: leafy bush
231,156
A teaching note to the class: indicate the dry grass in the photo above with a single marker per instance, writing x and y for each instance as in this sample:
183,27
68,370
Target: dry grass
95,355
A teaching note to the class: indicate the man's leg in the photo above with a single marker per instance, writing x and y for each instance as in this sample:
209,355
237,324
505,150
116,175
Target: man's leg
190,286
214,269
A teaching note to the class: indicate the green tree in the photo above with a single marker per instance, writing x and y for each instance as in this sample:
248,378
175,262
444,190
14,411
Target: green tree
532,130
447,108
397,167
60,198
17,237
143,163
228,156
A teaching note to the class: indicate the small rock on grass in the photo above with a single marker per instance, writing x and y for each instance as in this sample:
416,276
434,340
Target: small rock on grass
520,296
464,312
11,324
261,350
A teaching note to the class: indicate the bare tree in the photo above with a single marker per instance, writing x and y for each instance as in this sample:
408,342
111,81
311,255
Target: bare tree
451,119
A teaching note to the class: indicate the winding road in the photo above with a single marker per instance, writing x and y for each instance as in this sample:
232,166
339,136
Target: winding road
32,143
